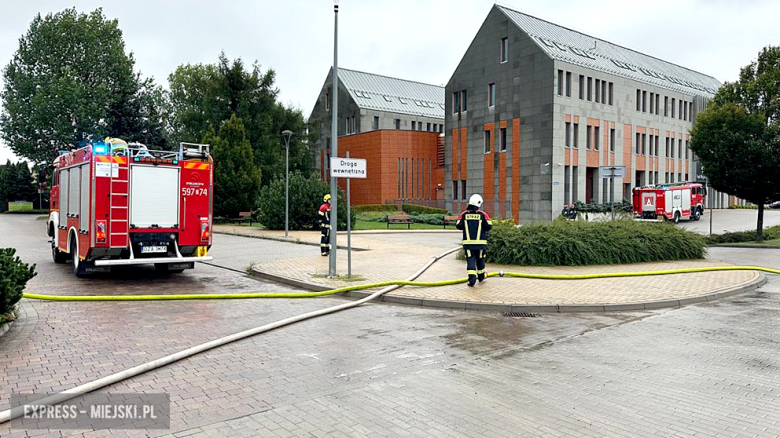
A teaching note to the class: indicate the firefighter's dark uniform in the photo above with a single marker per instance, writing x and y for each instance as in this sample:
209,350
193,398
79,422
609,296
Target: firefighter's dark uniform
475,224
325,228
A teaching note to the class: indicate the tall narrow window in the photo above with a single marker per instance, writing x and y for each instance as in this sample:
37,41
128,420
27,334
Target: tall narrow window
590,89
504,49
681,110
652,103
487,142
639,100
604,92
612,140
644,144
666,106
414,125
492,95
463,192
567,134
686,150
397,123
657,101
679,149
455,102
638,143
327,101
611,92
657,138
685,107
667,148
644,101
582,87
568,84
376,122
596,142
428,127
588,137
598,90
673,107
503,139
576,135
455,190
560,82
464,101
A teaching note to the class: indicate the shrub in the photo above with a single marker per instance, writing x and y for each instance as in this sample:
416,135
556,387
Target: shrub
14,275
422,209
743,207
305,200
620,206
577,243
375,207
372,216
744,236
433,219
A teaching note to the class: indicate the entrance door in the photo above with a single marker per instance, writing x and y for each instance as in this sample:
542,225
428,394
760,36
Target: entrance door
589,174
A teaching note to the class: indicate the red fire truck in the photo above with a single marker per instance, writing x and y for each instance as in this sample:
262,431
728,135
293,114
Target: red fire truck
116,204
684,200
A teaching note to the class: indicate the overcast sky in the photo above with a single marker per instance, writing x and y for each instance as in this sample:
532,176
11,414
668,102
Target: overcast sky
421,40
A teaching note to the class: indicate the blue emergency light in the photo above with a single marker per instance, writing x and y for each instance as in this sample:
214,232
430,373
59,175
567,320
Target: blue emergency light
100,149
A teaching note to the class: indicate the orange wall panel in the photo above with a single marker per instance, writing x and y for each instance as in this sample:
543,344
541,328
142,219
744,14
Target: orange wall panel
516,170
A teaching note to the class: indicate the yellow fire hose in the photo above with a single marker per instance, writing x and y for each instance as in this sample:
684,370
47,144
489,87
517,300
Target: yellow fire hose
387,283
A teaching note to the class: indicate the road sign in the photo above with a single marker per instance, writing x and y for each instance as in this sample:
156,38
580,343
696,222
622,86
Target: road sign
612,171
348,167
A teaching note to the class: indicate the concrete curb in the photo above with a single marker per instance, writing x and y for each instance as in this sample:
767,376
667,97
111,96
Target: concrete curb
527,308
282,239
745,246
6,327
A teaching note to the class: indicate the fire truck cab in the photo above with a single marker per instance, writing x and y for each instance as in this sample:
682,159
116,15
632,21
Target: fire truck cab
115,204
673,202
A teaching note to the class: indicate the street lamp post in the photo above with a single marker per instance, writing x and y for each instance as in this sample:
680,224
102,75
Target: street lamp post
334,150
287,134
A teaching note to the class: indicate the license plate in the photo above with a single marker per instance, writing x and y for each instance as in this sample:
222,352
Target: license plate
148,249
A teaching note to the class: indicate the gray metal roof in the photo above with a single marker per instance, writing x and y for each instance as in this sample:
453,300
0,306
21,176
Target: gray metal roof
577,48
382,93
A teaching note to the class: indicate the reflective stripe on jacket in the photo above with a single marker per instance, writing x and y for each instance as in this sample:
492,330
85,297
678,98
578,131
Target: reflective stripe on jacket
324,215
475,224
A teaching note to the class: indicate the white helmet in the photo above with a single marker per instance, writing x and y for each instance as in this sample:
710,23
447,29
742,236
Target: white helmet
476,200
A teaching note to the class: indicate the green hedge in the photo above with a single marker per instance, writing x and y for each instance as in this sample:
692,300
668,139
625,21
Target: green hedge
374,207
422,209
743,207
14,275
624,206
579,243
432,219
744,236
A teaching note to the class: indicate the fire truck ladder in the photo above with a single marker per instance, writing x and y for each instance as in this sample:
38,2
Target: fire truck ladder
119,204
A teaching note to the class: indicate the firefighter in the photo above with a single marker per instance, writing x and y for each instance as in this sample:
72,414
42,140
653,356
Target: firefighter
566,213
475,224
325,225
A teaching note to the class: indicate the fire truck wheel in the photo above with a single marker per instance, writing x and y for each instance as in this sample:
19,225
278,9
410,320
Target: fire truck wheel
58,256
676,217
78,265
696,213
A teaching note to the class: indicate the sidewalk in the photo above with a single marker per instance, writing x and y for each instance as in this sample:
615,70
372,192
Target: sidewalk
386,259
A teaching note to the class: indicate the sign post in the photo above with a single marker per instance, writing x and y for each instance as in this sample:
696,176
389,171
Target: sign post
348,168
612,172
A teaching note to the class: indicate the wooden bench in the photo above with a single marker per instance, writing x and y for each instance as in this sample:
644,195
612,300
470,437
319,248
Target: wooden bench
450,220
244,216
400,219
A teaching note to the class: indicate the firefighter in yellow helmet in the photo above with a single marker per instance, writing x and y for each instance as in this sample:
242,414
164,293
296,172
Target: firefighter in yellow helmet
325,225
475,224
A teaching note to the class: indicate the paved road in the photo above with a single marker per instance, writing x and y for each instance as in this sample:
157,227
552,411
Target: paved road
383,370
731,220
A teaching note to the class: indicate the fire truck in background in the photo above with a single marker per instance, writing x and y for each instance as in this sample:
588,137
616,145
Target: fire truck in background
684,200
116,204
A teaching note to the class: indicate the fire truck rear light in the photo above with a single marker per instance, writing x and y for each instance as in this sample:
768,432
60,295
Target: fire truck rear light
100,235
204,230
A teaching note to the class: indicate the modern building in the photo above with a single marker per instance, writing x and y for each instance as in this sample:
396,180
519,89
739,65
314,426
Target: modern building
534,110
395,124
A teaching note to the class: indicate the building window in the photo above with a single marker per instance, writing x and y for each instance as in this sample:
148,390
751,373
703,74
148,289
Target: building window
657,138
611,92
612,140
638,143
376,122
588,137
428,127
596,142
397,123
582,87
666,106
652,103
576,135
644,144
455,102
657,101
463,194
327,101
568,134
414,125
604,92
590,89
568,84
679,149
560,82
454,190
487,142
419,126
644,101
685,117
492,95
598,90
463,101
638,100
502,134
441,128
435,127
686,150
504,49
681,110
673,107
667,148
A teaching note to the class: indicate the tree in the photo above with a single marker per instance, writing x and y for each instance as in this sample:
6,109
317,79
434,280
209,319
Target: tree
71,80
205,95
737,138
237,179
16,183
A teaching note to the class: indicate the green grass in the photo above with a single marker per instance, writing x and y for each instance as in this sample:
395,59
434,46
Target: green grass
773,243
367,225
